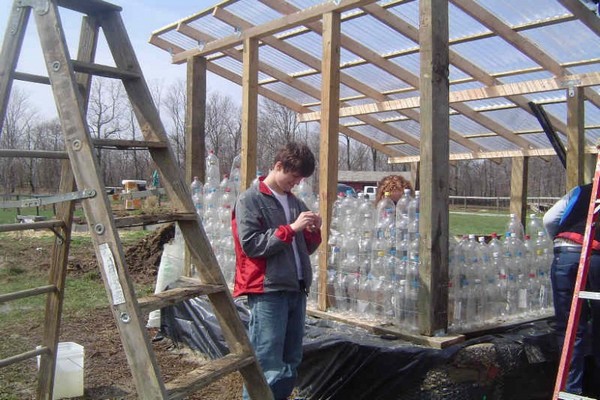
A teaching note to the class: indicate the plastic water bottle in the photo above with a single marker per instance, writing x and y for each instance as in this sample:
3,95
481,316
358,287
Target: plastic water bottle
213,174
197,195
235,174
535,226
515,226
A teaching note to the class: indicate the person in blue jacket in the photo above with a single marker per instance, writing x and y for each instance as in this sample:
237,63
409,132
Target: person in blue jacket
565,222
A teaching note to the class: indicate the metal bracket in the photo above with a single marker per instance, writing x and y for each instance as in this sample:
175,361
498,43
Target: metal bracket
39,6
42,201
570,84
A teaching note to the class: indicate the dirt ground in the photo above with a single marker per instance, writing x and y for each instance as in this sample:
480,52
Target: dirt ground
106,373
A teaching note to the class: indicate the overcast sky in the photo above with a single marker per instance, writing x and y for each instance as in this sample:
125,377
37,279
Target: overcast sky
141,17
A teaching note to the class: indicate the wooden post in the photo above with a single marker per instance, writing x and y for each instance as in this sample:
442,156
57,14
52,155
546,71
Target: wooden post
434,167
195,133
329,146
518,187
575,137
249,113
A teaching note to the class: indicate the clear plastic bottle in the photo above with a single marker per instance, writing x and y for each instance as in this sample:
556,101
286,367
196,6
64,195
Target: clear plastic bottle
534,226
234,173
413,285
196,189
515,226
213,174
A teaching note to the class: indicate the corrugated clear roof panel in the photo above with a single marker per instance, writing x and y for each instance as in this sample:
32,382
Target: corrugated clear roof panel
410,62
213,27
230,64
462,25
592,114
179,40
376,77
513,119
345,91
583,69
557,110
283,62
313,80
593,136
289,92
253,11
529,76
466,126
487,104
494,143
456,73
579,44
546,97
308,42
375,35
493,55
519,12
408,12
538,140
411,127
405,95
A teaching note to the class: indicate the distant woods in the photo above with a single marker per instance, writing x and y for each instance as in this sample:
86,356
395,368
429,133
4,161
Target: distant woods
110,116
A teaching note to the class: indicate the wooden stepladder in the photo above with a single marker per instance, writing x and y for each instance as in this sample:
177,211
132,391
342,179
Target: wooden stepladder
579,293
70,81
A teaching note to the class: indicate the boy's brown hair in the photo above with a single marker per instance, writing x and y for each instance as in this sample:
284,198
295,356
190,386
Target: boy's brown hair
297,158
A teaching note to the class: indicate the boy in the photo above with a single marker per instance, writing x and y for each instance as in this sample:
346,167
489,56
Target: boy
274,234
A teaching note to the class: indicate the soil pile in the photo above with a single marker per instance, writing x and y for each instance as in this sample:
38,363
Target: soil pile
143,258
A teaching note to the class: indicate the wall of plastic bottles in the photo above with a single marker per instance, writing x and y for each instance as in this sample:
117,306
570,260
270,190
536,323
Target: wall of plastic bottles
373,258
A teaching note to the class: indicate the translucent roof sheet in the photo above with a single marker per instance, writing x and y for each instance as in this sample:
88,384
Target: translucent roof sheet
503,55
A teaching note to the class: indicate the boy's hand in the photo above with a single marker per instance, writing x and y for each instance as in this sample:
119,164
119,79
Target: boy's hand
306,220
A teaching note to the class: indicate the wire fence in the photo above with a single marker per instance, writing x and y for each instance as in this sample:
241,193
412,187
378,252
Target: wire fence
500,203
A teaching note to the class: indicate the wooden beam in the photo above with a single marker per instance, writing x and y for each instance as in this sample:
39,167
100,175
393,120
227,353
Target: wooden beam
518,187
195,116
434,167
492,154
272,27
575,137
329,146
583,14
249,113
509,89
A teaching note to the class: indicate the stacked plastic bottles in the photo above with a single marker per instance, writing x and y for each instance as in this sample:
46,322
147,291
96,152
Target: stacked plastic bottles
500,280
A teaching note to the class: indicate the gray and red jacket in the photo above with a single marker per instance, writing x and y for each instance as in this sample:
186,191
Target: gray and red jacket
265,259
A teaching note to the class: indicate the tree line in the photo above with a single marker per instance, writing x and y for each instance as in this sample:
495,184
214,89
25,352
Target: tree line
110,116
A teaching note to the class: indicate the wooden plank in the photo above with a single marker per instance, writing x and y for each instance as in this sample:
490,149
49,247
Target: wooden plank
97,209
329,147
434,167
176,295
7,153
9,56
272,27
207,373
23,76
89,6
195,117
493,154
103,70
23,356
509,89
249,113
518,187
21,294
575,137
436,342
123,144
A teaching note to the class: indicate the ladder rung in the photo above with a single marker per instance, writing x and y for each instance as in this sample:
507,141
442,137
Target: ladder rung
21,294
6,153
103,70
24,356
570,396
589,295
150,219
190,288
88,6
53,223
207,373
127,144
24,76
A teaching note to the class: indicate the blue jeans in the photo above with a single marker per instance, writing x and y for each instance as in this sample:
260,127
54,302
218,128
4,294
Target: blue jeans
563,276
276,331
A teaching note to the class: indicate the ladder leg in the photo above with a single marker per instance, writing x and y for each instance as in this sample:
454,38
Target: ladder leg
11,47
98,212
58,273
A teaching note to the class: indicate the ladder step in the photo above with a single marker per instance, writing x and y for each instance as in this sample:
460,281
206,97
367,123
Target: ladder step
570,396
151,219
21,294
127,144
24,76
103,70
24,356
189,288
88,6
53,223
207,373
589,295
7,153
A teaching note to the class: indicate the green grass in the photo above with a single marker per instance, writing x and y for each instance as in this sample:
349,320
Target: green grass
479,222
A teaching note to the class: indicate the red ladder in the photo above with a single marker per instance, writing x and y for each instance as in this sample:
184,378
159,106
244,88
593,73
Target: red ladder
579,295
